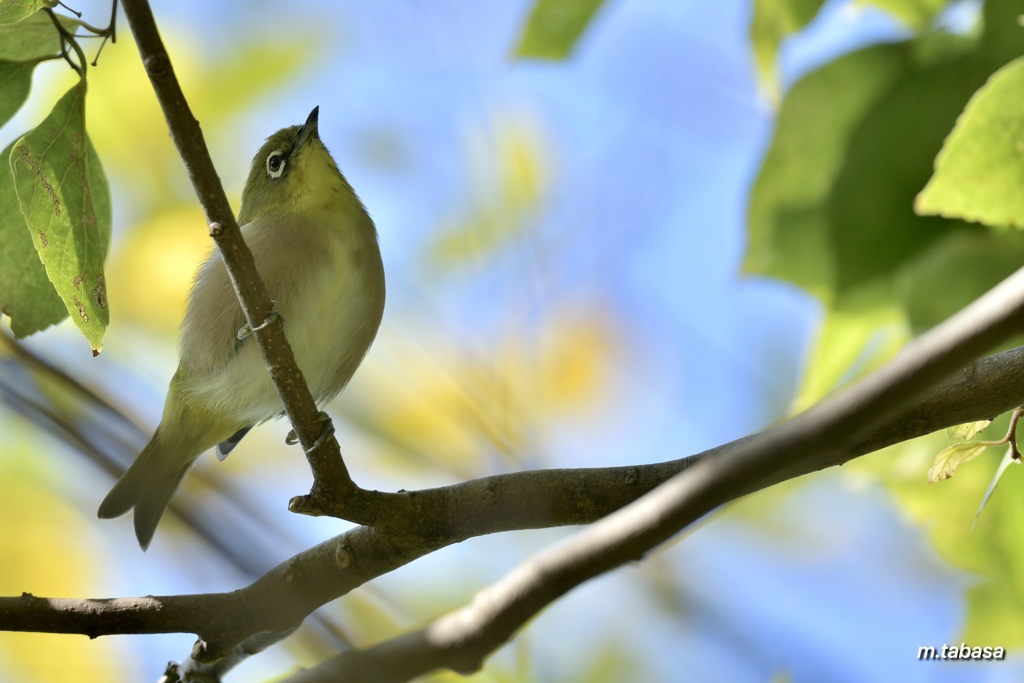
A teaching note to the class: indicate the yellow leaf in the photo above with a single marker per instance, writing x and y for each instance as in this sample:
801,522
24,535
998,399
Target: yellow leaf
151,271
849,344
951,458
452,405
50,550
509,165
965,431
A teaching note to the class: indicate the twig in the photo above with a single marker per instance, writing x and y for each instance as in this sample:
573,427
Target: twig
73,11
110,32
66,381
333,491
1011,433
68,38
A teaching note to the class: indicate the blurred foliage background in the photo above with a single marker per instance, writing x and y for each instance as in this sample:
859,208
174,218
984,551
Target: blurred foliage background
614,232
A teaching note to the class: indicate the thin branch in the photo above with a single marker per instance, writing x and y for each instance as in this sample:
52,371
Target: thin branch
110,32
73,11
109,439
285,595
1011,433
333,491
68,38
83,393
275,603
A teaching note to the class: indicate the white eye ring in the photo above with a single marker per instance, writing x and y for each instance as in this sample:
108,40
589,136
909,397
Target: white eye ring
275,164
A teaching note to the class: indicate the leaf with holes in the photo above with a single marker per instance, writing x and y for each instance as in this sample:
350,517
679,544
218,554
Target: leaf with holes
64,197
26,294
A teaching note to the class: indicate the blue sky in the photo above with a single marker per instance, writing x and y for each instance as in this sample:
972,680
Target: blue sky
656,130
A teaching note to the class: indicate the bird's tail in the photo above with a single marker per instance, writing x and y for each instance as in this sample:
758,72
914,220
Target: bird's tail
147,487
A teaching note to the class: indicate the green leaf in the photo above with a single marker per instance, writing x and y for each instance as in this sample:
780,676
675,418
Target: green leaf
966,431
954,271
980,171
26,294
847,345
789,233
951,458
31,38
1002,39
554,28
832,210
65,200
917,14
15,83
12,11
873,226
1008,459
773,21
248,72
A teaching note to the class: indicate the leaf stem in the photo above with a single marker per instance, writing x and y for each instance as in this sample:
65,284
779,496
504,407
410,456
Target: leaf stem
1011,433
68,38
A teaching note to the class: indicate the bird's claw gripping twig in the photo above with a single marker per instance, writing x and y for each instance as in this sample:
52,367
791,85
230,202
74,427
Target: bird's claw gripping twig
246,330
293,439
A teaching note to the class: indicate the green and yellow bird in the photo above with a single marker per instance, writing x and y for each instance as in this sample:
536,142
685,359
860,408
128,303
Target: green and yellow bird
316,249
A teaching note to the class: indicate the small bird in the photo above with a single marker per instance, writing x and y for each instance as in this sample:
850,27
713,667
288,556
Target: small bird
316,249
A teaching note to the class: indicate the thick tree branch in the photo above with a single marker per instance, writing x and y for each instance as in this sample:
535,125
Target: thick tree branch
818,438
333,489
279,600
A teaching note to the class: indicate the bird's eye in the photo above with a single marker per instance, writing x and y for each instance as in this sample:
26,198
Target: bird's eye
275,165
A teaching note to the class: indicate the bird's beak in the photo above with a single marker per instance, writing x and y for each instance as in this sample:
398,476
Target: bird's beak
309,128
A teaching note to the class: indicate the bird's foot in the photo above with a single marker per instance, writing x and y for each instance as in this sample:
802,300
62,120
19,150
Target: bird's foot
293,439
246,330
